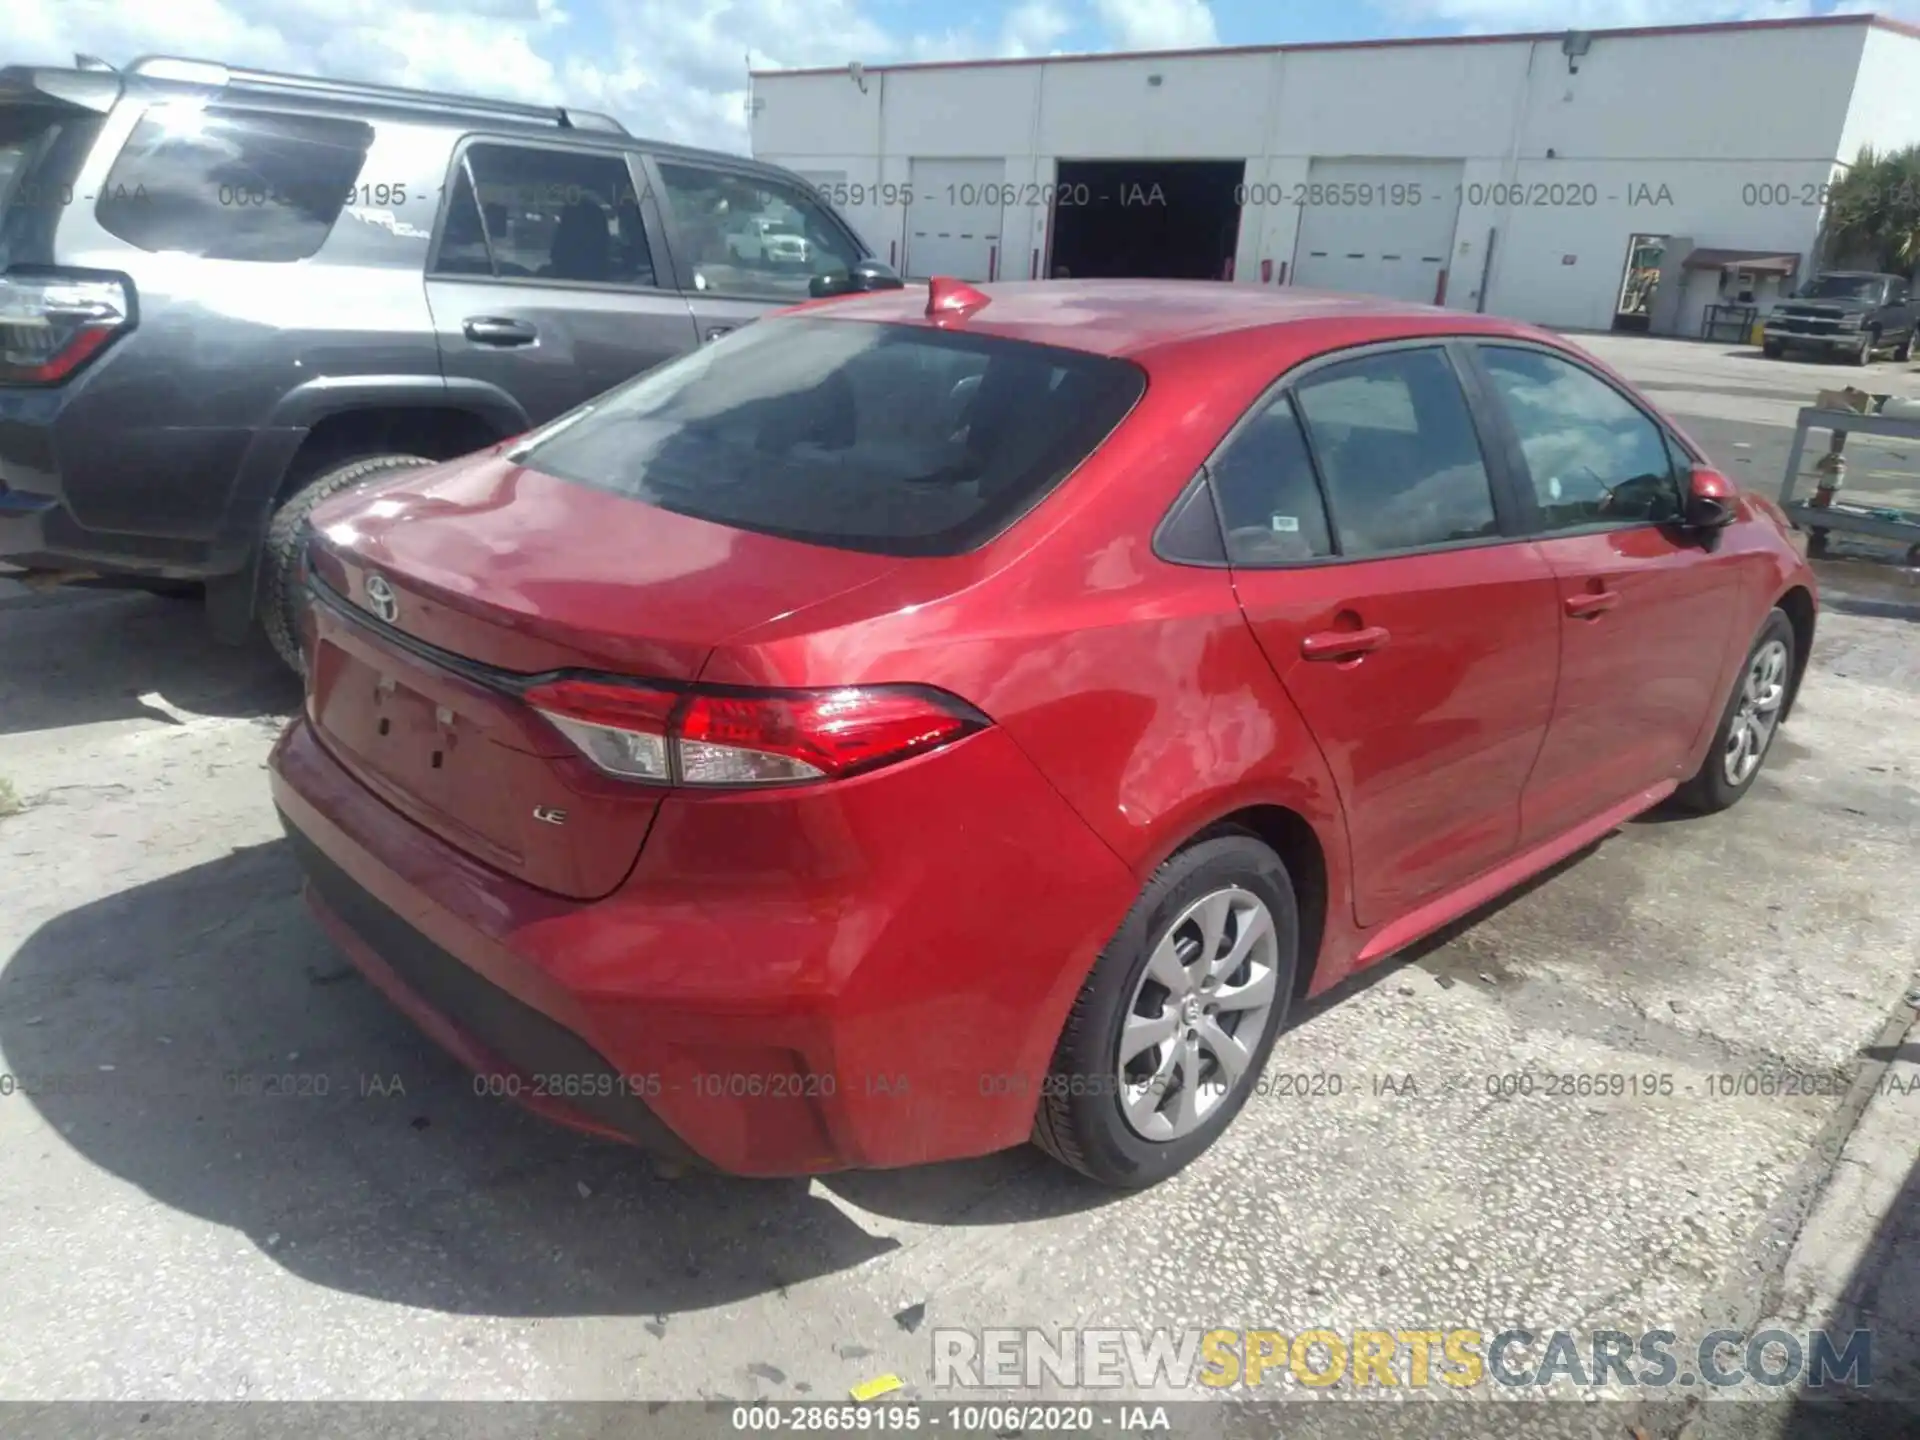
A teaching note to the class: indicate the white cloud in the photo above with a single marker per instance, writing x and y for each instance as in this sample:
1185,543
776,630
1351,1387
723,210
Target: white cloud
1158,24
675,71
1026,30
1032,28
1485,15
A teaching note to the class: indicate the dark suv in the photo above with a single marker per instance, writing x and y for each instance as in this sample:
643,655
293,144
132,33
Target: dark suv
225,294
1851,313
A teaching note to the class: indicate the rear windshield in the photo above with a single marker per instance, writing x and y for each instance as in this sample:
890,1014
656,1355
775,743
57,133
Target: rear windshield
41,149
24,132
892,439
1845,287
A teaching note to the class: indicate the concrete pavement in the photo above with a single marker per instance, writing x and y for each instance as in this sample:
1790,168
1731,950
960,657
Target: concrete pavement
170,1231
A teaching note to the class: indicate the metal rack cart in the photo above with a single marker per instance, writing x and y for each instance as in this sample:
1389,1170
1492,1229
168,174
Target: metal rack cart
1824,511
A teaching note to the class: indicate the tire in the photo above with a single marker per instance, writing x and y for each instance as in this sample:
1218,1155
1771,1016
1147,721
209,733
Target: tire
281,603
1905,353
1773,349
1083,1118
1864,354
1718,783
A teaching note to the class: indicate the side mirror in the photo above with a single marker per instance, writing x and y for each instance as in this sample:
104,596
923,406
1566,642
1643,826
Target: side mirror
865,275
1711,500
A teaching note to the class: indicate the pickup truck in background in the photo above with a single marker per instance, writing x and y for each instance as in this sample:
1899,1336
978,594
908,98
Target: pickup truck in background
1854,313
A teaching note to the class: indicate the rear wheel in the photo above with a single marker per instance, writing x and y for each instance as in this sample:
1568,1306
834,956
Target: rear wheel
1747,724
1174,1024
282,601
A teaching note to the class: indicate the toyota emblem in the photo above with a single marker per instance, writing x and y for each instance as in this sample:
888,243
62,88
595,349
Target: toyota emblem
381,600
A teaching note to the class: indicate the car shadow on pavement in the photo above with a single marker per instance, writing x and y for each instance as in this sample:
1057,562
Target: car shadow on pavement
78,656
1882,1296
198,1038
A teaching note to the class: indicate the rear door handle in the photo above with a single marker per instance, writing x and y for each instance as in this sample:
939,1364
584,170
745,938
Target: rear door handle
1343,644
1590,605
492,330
714,332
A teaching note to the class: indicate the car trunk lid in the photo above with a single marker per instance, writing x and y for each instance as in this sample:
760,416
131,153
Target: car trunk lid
443,592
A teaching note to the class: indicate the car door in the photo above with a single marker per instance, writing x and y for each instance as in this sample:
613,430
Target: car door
544,281
1377,557
1646,607
723,220
1899,321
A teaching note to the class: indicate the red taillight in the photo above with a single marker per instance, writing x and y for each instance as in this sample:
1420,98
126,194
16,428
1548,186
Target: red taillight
621,728
773,738
50,326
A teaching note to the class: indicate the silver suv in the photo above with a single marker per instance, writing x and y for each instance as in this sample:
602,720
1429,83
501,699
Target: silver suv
226,294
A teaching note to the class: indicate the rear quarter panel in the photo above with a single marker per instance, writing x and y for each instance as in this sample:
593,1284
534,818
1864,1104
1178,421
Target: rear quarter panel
151,438
1135,686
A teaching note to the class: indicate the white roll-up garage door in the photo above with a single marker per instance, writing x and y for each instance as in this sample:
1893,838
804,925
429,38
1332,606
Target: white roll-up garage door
953,223
1380,227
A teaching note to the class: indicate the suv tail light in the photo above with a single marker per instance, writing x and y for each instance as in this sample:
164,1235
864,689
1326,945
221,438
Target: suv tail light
51,325
725,738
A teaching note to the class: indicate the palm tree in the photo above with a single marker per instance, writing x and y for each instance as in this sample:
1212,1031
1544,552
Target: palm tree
1873,211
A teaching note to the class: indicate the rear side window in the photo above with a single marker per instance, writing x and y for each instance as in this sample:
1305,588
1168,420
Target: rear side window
522,212
227,184
892,439
1398,451
1269,501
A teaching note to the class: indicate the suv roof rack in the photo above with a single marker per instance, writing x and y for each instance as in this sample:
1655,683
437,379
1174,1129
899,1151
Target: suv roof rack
214,72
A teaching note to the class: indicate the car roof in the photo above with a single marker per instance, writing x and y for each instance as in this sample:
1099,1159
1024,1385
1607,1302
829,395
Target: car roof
160,77
1129,318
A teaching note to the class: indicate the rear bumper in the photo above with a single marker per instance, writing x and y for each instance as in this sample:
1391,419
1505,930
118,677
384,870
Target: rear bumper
871,974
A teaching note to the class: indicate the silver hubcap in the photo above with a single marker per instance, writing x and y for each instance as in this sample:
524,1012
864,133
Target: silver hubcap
1198,1014
1761,692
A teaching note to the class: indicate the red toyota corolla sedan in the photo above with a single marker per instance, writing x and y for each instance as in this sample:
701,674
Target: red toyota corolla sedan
930,720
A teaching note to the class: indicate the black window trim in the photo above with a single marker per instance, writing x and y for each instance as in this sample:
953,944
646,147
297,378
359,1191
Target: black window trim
682,265
1509,436
1509,517
1168,534
637,176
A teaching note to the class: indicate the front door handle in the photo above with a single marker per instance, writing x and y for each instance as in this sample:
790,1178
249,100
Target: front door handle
1343,644
1592,604
492,330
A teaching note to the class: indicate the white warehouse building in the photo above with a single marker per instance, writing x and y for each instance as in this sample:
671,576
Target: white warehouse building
1607,179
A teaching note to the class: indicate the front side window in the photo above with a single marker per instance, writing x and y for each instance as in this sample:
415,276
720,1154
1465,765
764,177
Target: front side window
892,439
751,236
526,213
1398,452
1594,459
1269,502
227,184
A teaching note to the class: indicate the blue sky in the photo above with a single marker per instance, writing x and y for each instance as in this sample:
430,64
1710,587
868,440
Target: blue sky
677,69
